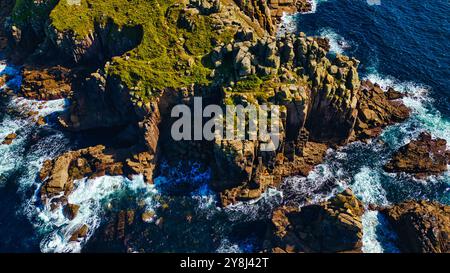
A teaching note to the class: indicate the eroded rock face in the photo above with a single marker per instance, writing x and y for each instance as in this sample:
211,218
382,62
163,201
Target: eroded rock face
331,226
99,104
58,175
422,227
258,10
45,83
323,104
421,157
99,45
376,110
268,13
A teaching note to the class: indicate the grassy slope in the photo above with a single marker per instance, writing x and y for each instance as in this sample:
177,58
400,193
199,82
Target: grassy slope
168,57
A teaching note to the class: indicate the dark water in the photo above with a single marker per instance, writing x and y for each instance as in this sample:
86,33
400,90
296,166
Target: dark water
403,44
407,39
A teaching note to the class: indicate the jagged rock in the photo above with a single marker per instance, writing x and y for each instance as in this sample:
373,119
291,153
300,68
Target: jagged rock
9,139
422,157
147,216
331,226
99,105
258,11
394,95
79,234
422,227
41,121
45,83
142,163
324,43
206,7
59,174
376,111
4,78
71,211
234,162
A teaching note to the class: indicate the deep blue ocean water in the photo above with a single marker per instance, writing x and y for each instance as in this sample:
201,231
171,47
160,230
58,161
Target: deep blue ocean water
403,44
408,39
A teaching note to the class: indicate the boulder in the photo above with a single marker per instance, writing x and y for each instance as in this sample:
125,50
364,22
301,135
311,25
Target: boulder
71,211
79,234
422,227
9,139
422,157
59,174
331,226
4,78
376,110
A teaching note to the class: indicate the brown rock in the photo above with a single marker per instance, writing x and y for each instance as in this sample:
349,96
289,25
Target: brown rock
422,227
71,211
79,234
376,110
422,157
59,174
9,139
394,95
331,226
4,78
41,121
45,83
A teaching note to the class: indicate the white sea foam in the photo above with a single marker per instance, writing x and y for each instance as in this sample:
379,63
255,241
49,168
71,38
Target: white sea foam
424,116
314,5
288,24
321,183
367,187
92,195
337,43
256,209
377,235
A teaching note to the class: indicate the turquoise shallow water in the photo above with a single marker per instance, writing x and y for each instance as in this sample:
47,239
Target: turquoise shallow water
400,44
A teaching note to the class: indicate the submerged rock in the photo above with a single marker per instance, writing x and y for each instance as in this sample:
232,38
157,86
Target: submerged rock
422,227
331,226
422,157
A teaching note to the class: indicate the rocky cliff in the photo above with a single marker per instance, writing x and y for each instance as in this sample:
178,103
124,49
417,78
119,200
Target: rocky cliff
123,64
126,73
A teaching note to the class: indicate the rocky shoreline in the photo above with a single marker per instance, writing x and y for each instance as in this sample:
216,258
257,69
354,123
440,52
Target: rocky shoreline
324,104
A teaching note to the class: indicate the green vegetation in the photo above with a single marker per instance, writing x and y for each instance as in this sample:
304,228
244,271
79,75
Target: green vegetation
27,10
251,82
169,55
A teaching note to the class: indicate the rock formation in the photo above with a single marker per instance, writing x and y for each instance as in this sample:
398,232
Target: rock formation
9,139
422,227
315,92
268,13
421,157
41,83
58,175
331,226
129,64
